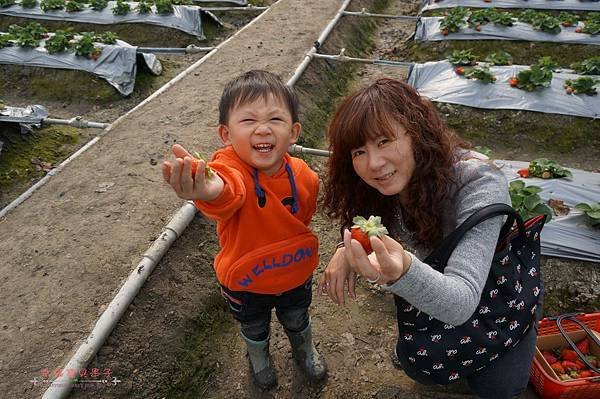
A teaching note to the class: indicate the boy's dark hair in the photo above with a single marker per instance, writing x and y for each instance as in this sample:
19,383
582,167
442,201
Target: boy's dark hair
253,85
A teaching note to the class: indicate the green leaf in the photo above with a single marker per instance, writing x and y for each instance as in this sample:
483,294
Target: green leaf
532,189
542,209
517,184
594,214
583,207
531,201
516,199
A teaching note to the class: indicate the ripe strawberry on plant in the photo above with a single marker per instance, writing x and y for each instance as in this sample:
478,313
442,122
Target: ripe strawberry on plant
523,172
365,228
513,82
459,70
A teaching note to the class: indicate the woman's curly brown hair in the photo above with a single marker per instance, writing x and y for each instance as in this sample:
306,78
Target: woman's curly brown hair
372,112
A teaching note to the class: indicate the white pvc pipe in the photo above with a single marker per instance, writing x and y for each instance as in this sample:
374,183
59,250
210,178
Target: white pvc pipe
76,122
363,13
344,58
247,8
298,149
61,386
309,56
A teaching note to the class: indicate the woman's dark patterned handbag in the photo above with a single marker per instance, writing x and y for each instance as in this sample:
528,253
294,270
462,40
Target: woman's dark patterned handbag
506,311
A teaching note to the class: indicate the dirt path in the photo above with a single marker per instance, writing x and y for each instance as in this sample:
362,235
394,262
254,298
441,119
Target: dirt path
66,250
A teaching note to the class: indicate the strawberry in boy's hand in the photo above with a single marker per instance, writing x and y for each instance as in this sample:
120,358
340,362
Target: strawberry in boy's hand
363,229
208,172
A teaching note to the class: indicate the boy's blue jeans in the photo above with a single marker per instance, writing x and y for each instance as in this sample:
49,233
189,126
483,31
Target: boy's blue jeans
253,311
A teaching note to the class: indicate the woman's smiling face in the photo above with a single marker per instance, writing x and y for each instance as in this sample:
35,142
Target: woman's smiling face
386,164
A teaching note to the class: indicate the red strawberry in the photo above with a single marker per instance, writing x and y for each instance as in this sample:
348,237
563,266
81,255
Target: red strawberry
363,229
558,368
566,354
548,355
513,82
578,29
445,32
459,70
585,374
524,173
569,90
584,346
566,24
569,366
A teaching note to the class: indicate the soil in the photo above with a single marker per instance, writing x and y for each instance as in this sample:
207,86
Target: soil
67,249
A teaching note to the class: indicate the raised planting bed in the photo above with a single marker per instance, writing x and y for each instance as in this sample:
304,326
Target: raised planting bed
537,4
164,13
103,55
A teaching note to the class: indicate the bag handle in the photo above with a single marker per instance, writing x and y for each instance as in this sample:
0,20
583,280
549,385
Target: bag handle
439,257
572,317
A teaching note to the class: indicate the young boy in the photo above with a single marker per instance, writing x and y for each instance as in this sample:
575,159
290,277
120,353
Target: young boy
263,201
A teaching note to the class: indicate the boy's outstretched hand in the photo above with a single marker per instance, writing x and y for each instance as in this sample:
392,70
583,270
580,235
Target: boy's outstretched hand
178,174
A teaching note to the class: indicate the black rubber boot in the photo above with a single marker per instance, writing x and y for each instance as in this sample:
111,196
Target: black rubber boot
306,355
260,363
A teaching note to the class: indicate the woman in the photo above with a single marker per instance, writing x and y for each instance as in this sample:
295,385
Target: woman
393,156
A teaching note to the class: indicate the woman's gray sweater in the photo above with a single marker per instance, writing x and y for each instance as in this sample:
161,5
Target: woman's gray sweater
452,296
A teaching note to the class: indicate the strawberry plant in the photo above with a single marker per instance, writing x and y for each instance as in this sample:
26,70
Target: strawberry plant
526,201
546,23
461,57
144,7
28,35
499,58
58,42
47,5
481,73
74,6
567,19
98,5
121,8
106,38
501,17
454,20
527,15
84,47
589,66
547,169
478,18
531,79
591,27
592,211
5,40
365,228
547,63
28,3
163,6
581,85
483,150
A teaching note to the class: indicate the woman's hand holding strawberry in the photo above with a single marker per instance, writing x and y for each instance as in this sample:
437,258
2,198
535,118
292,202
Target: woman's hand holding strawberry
178,174
387,264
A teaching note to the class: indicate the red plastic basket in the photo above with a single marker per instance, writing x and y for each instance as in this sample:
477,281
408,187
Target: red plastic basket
548,387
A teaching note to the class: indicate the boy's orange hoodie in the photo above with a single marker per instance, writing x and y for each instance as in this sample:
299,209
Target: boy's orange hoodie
265,248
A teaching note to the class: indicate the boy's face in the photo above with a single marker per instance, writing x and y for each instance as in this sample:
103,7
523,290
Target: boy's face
260,133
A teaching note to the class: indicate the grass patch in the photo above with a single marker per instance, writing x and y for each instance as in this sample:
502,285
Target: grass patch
50,144
202,351
524,53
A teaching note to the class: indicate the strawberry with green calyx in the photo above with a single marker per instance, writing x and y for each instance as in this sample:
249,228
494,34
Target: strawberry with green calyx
208,172
569,355
363,229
